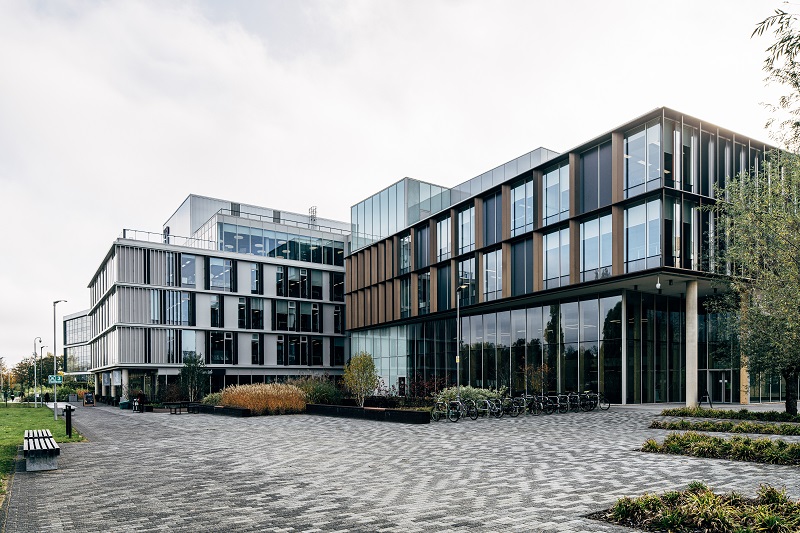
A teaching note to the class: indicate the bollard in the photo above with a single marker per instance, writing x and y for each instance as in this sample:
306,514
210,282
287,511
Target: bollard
68,413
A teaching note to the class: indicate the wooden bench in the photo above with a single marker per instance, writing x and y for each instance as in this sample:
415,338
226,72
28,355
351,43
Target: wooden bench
40,450
193,408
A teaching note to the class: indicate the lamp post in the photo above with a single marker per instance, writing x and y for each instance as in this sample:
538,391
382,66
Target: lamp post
43,346
458,338
55,360
34,368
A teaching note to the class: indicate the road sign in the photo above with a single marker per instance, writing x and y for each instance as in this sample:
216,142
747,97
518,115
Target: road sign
53,380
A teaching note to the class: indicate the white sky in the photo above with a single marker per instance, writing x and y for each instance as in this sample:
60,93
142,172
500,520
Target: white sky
111,113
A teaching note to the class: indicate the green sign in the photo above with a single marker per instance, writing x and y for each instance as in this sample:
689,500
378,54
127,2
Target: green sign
55,380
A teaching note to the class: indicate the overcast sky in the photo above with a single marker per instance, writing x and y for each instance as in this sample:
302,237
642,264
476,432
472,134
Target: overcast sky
111,113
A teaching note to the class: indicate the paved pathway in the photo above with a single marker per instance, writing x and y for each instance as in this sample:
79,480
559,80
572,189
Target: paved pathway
161,472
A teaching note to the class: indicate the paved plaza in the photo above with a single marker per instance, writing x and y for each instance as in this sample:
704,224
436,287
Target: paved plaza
161,472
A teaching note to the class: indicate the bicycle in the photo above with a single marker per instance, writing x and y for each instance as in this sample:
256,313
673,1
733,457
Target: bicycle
439,411
458,408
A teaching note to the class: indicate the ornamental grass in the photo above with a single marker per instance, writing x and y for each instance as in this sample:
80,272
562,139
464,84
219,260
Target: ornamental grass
742,414
265,398
729,427
698,508
736,448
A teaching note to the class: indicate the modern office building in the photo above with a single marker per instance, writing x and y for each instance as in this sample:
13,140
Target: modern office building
588,268
257,293
77,355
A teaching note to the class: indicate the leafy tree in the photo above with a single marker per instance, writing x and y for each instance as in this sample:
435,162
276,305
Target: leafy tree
194,377
360,376
759,248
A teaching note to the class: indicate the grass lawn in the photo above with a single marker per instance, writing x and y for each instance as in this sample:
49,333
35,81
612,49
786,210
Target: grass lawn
14,420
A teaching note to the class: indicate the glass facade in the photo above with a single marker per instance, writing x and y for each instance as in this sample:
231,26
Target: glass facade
466,230
595,178
492,219
556,259
492,275
443,239
643,236
245,239
555,193
523,213
642,168
596,241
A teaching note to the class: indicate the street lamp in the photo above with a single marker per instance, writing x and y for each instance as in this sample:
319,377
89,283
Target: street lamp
55,360
34,368
40,358
458,337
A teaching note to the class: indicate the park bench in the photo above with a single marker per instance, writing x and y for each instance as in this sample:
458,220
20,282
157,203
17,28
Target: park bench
40,450
175,408
193,407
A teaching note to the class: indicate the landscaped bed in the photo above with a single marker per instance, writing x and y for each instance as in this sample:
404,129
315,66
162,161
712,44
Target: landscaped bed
736,448
699,509
728,427
742,414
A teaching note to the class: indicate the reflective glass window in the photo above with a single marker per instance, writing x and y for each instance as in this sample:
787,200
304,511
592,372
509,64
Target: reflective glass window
466,230
220,274
493,275
467,278
555,193
443,239
188,270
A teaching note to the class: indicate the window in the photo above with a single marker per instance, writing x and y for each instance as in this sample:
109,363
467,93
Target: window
280,282
338,319
293,282
466,277
291,321
443,239
405,254
188,270
466,230
522,267
309,318
443,288
221,275
256,313
424,293
522,207
188,344
255,279
337,351
294,350
172,307
216,311
596,248
492,219
422,247
596,178
556,259
242,313
337,286
280,315
405,297
316,351
555,194
256,350
305,283
280,351
642,168
316,285
221,348
643,236
493,275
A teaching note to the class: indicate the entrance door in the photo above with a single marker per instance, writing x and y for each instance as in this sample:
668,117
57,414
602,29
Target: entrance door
720,385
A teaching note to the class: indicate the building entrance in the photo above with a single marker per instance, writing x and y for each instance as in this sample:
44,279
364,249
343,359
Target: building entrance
719,385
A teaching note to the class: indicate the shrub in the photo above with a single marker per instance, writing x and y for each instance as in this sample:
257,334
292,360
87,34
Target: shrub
215,398
737,448
319,389
698,508
360,376
742,414
265,398
728,427
469,393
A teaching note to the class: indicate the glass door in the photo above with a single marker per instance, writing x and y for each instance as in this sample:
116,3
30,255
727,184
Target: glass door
719,385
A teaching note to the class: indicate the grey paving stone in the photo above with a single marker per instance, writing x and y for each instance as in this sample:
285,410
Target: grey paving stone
157,472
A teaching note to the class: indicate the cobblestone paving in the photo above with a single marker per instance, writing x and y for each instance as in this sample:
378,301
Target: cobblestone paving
161,472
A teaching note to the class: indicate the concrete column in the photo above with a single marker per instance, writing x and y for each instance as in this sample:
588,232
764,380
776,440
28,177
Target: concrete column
97,380
691,344
104,387
125,384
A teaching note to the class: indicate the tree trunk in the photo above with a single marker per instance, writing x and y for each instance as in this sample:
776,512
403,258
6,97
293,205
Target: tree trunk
790,377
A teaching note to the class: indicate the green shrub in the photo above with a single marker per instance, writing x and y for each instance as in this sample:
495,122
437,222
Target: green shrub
737,448
215,398
729,427
265,398
469,393
698,508
742,414
319,389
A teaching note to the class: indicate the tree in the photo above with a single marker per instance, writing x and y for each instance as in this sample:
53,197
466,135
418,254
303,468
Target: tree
360,376
194,377
758,240
782,68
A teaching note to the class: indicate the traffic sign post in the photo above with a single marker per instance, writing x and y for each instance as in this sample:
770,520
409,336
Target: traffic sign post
55,380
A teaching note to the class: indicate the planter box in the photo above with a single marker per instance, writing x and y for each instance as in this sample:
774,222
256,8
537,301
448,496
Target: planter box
225,411
370,413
